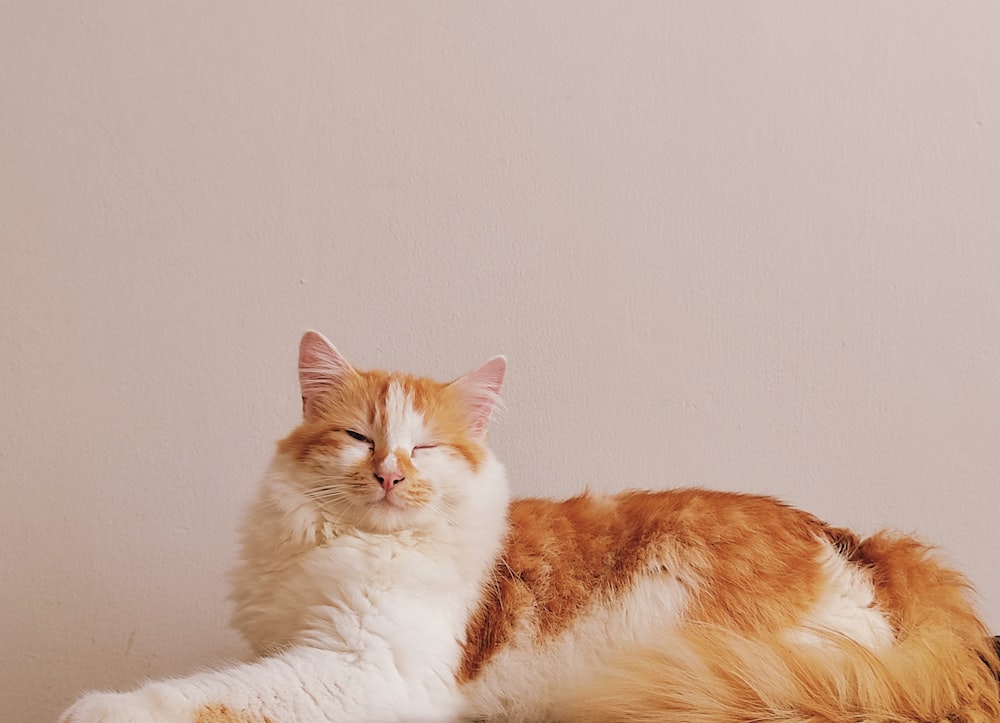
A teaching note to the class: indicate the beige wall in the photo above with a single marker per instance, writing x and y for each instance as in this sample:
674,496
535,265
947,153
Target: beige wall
747,245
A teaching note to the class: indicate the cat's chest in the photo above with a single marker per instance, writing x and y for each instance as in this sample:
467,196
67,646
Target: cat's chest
352,588
400,576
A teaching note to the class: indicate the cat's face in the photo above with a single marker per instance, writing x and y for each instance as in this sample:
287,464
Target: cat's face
386,452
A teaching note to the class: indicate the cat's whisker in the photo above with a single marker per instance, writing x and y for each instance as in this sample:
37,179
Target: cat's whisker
448,512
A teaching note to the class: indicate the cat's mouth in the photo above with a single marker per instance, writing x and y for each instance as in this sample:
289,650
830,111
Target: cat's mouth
388,499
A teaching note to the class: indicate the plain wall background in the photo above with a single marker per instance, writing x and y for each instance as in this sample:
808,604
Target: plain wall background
746,245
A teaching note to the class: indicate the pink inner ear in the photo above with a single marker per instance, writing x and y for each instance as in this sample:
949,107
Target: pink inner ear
320,366
481,389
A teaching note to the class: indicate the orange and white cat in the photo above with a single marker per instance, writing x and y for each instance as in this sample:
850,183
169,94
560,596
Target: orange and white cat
385,576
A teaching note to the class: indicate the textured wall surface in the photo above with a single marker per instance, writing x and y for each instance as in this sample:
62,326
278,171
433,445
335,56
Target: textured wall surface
752,246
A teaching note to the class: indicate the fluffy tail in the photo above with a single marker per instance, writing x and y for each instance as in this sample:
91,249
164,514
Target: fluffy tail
942,667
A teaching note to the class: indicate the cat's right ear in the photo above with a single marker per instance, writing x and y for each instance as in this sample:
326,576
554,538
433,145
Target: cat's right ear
320,367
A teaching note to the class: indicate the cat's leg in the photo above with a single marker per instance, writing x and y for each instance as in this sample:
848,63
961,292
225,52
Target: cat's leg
301,684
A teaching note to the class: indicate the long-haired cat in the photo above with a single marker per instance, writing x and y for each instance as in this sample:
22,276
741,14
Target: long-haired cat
385,576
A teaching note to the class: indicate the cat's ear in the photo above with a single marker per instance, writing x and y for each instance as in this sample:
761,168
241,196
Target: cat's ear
480,390
320,367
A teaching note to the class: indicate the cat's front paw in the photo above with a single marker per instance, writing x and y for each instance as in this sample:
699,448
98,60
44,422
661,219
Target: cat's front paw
156,703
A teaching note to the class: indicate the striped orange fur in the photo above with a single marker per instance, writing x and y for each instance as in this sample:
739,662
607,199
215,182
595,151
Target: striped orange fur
751,566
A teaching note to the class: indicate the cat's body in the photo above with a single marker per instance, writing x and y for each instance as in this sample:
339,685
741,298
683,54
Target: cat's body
386,578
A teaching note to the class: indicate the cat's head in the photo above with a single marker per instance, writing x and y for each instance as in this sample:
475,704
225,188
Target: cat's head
386,451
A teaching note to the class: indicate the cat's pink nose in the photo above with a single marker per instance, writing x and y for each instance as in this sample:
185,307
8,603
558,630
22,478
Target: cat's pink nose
388,478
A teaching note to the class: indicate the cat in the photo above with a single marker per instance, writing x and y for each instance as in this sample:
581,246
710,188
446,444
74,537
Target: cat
386,576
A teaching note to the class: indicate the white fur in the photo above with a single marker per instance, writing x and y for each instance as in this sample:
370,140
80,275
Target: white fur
524,679
846,606
354,625
404,424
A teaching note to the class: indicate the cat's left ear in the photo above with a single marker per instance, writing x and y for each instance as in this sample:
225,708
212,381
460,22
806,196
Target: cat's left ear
480,390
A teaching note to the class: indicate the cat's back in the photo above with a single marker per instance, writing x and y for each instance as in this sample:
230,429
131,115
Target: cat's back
638,521
580,576
694,553
724,549
699,605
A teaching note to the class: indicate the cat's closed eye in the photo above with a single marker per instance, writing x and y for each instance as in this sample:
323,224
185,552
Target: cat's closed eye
358,436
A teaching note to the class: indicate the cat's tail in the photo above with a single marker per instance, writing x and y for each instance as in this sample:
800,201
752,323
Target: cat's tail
942,666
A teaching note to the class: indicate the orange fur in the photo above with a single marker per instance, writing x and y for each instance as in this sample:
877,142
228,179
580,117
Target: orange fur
222,714
561,556
357,402
750,565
